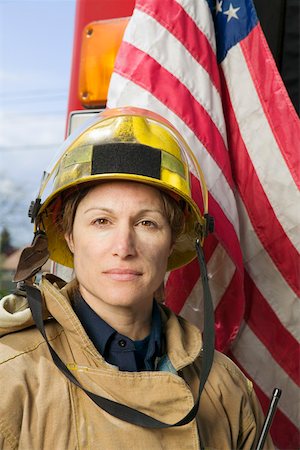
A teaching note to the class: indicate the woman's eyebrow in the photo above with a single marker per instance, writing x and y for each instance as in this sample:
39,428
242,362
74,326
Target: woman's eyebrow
109,210
98,208
150,210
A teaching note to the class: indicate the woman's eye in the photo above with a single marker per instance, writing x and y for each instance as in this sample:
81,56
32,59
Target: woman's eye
147,223
100,221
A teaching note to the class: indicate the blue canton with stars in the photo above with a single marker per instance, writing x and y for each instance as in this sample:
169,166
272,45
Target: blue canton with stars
233,19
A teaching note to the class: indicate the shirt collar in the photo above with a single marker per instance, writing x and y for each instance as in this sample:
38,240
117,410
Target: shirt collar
155,340
96,328
101,333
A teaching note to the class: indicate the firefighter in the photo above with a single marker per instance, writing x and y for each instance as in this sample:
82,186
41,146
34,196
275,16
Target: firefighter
99,362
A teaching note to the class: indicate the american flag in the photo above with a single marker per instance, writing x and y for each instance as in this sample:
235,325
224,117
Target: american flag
206,67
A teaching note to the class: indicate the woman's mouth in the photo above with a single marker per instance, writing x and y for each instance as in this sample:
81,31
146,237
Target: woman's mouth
122,274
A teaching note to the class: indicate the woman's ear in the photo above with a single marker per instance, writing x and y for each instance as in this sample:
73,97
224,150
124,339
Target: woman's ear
69,241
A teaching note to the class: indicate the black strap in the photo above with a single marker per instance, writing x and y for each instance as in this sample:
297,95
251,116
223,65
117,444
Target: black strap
116,409
209,320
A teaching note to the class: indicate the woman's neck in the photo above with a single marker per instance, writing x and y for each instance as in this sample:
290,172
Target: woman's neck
131,321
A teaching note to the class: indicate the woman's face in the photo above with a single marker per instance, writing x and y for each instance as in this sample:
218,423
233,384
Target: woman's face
121,241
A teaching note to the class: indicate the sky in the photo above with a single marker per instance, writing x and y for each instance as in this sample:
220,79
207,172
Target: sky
36,44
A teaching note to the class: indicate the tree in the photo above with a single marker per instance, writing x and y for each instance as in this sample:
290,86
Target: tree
5,242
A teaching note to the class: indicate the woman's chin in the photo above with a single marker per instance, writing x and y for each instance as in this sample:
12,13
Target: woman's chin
126,301
122,297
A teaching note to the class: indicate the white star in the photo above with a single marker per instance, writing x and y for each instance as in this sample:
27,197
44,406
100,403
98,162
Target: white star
231,12
219,6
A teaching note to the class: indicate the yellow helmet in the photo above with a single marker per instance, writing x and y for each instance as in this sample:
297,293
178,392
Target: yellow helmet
124,144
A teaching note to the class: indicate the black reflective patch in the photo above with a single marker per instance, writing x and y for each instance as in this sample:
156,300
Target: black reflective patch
126,158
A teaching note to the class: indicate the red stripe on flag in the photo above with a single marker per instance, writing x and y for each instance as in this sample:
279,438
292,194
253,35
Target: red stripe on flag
182,281
180,284
143,70
259,209
230,309
284,433
266,326
186,31
274,99
229,313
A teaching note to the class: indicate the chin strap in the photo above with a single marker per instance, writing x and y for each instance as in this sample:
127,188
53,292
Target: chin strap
209,318
119,410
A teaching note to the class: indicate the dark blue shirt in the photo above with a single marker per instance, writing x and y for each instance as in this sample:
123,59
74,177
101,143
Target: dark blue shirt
117,349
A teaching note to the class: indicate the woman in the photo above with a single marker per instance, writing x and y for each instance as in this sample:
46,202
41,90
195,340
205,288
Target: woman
113,368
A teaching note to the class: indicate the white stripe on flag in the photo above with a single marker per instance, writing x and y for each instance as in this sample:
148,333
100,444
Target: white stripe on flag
259,364
175,58
220,269
200,14
262,147
266,276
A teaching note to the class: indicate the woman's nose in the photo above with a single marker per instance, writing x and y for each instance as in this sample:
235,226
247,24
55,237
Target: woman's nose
124,242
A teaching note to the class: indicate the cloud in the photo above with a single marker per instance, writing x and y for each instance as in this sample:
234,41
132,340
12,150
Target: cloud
33,79
27,145
10,195
8,188
31,129
8,77
14,201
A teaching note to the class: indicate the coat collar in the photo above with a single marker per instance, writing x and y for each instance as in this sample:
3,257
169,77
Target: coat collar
183,340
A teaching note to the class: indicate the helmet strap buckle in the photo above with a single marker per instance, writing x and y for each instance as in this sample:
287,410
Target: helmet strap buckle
34,208
209,224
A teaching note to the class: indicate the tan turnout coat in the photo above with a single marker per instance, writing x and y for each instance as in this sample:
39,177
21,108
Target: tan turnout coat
41,410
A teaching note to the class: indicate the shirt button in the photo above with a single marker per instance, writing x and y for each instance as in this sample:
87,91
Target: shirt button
122,343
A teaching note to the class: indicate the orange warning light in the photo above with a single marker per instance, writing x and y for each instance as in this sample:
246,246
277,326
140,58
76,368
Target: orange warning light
100,44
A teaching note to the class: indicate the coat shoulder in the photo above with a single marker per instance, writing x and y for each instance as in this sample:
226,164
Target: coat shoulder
19,344
225,366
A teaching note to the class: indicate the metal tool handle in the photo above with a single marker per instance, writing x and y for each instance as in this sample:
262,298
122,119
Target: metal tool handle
269,417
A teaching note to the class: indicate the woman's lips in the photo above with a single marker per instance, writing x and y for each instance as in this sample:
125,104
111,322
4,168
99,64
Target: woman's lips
122,274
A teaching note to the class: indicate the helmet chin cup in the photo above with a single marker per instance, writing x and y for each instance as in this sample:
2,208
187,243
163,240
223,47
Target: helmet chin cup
32,258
